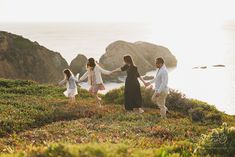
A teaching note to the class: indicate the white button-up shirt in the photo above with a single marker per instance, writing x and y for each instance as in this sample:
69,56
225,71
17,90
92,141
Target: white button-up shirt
161,80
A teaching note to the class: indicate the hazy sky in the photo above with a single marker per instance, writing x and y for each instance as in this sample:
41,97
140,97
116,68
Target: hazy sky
161,11
185,26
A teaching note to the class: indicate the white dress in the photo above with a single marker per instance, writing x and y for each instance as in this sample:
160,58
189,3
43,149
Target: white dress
71,85
70,92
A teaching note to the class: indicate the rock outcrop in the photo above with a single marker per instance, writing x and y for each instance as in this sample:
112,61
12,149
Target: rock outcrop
21,58
143,53
78,64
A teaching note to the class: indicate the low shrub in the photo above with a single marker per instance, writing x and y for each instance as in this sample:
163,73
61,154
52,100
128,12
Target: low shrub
106,150
176,101
218,142
115,96
197,114
214,118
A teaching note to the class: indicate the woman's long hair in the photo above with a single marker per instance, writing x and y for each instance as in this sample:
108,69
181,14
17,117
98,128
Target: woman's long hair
67,73
91,63
128,60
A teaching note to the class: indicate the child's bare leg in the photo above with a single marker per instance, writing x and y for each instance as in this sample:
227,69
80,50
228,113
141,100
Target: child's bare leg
70,100
73,99
98,99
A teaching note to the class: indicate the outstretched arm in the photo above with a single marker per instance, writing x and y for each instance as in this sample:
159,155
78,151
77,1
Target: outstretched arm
84,76
62,82
103,71
150,82
139,76
142,80
123,68
116,70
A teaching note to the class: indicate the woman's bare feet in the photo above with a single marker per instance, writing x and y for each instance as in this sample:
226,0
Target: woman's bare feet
99,99
141,110
100,104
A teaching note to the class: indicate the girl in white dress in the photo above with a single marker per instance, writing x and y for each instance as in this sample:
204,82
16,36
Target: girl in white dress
71,84
95,81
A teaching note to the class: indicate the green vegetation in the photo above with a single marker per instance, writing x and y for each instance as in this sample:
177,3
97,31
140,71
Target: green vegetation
22,43
36,120
198,111
25,104
220,142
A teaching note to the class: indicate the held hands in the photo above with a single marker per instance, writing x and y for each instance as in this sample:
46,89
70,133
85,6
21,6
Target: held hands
111,72
157,94
115,70
147,84
79,81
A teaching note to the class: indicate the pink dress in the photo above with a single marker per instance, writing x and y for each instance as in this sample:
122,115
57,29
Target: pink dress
95,87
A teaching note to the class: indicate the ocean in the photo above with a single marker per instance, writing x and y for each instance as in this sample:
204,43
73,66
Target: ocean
201,46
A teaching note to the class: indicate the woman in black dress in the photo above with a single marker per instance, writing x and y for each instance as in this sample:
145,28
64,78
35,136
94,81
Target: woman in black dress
133,98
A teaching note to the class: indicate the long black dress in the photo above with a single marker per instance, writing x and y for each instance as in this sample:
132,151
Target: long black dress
133,98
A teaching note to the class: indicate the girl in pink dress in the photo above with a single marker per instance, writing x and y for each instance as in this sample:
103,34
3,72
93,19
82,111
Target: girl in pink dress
95,80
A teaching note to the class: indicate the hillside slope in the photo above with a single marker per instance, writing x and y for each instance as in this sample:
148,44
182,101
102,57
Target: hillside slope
21,58
37,121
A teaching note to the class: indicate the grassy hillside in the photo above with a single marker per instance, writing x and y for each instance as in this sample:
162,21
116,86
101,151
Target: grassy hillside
35,120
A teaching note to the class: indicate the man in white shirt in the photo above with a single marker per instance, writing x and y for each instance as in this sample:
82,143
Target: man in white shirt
161,89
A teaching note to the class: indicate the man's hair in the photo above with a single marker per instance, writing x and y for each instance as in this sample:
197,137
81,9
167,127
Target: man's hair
160,60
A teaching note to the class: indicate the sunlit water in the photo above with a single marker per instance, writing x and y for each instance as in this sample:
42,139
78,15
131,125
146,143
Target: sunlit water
215,85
